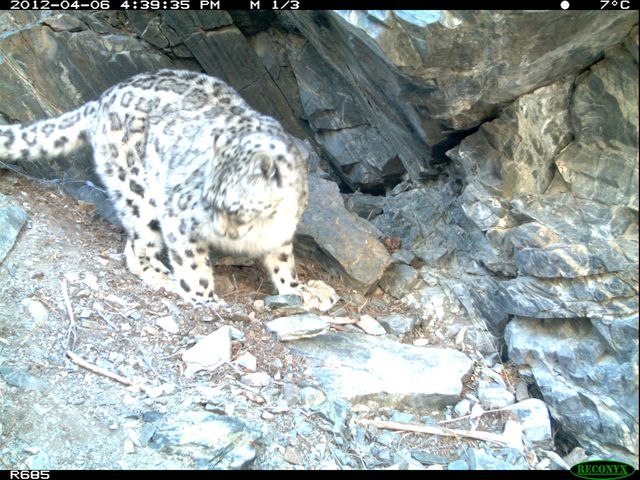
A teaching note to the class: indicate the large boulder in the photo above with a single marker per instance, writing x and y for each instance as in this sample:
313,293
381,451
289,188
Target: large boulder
465,66
362,368
588,374
553,184
342,242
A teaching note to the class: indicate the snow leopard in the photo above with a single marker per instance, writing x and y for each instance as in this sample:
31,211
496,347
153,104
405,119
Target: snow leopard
188,165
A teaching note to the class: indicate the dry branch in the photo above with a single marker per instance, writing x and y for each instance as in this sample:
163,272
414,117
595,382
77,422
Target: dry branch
433,430
102,371
71,333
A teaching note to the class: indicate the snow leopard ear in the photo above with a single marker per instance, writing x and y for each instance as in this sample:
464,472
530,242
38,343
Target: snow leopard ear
269,168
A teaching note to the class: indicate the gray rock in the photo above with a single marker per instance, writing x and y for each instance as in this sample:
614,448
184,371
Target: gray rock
209,352
217,51
458,465
382,454
353,101
291,394
293,456
389,439
596,275
365,206
370,325
601,163
256,379
478,295
220,441
361,368
585,384
36,310
604,296
522,160
151,416
275,302
570,239
39,461
571,260
463,407
311,397
494,396
22,379
397,324
336,410
522,391
403,417
564,233
569,217
339,240
146,432
168,324
418,218
65,23
236,334
513,456
484,341
297,326
399,280
402,460
427,458
403,256
248,361
12,219
534,419
478,459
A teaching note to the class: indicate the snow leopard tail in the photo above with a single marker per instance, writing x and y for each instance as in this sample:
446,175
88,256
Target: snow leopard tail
48,138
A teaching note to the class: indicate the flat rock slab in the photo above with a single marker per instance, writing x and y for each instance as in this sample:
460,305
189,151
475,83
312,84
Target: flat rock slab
359,368
21,379
223,442
295,327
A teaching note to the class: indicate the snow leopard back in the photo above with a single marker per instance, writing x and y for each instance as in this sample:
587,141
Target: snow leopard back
162,129
188,164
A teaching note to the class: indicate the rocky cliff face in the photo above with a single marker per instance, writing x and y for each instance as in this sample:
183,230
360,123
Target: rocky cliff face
499,150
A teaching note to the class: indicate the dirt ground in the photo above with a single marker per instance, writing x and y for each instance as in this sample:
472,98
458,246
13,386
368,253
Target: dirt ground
64,416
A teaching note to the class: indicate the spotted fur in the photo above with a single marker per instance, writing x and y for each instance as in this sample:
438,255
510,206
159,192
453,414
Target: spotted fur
188,165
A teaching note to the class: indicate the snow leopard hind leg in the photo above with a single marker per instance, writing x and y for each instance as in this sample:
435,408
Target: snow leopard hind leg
189,257
120,166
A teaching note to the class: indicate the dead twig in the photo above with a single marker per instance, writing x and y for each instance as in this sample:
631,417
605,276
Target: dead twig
433,430
106,320
71,332
145,359
103,371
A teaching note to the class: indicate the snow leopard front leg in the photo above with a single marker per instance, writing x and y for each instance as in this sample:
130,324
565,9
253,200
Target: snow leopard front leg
280,264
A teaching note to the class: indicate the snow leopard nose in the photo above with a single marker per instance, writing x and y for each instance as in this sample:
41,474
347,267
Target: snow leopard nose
270,170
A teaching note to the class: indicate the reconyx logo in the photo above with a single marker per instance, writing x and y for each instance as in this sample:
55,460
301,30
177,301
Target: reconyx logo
602,469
